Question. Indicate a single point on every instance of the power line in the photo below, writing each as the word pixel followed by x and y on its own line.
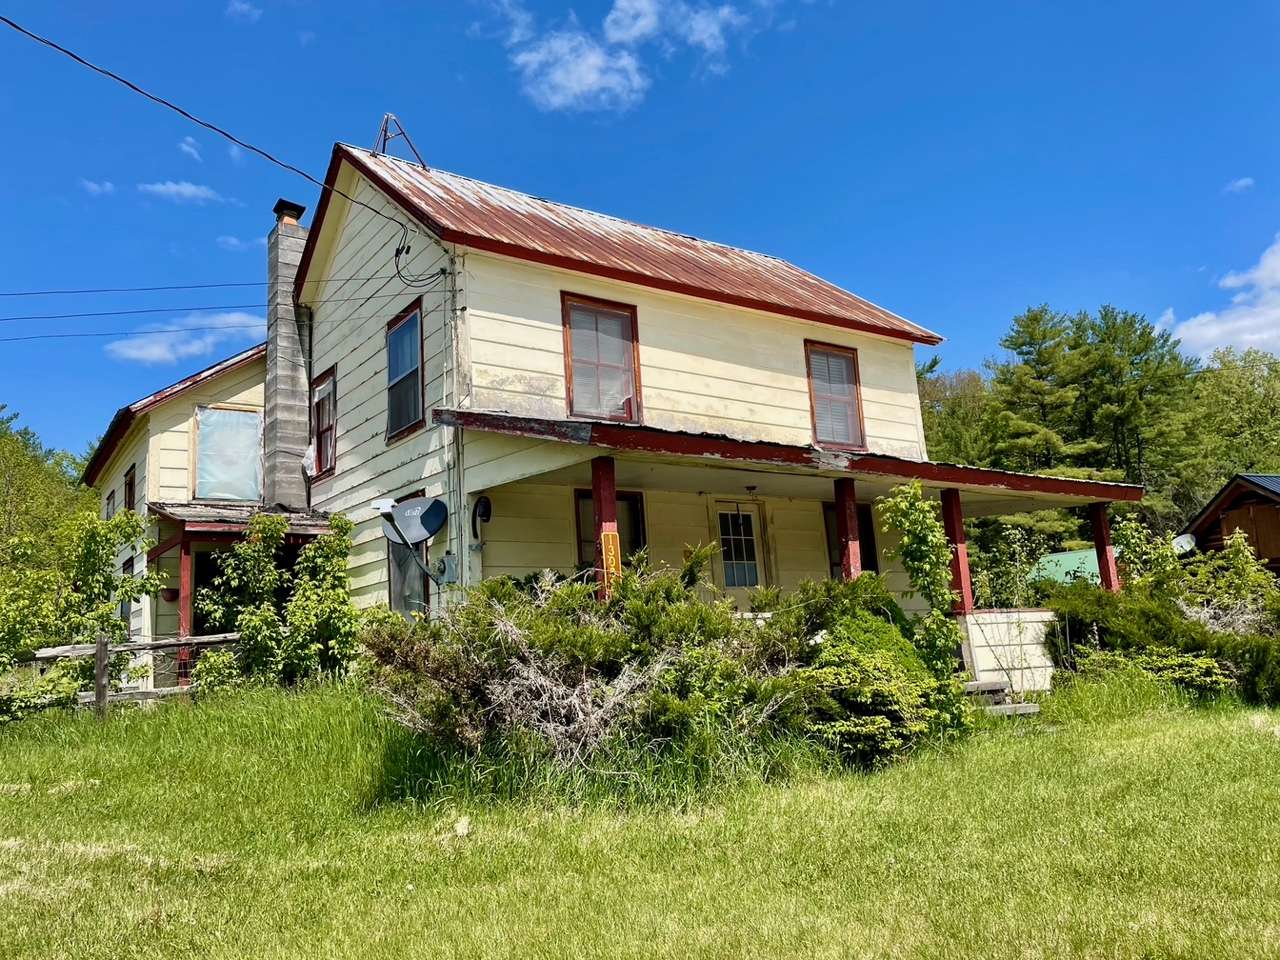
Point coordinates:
pixel 226 134
pixel 175 286
pixel 197 309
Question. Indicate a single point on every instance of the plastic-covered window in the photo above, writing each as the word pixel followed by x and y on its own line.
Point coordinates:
pixel 228 454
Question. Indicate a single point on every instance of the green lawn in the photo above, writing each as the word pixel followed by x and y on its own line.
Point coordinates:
pixel 246 828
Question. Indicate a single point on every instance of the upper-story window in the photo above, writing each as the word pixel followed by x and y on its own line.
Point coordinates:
pixel 601 359
pixel 109 505
pixel 404 373
pixel 131 488
pixel 228 454
pixel 323 421
pixel 834 394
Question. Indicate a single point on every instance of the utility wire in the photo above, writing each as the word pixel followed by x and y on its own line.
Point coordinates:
pixel 176 286
pixel 226 134
pixel 198 309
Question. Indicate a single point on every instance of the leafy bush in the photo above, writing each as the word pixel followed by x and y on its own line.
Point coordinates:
pixel 871 696
pixel 925 554
pixel 217 671
pixel 523 673
pixel 1199 676
pixel 293 623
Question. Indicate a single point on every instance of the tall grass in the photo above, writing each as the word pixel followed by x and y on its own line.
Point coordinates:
pixel 1127 823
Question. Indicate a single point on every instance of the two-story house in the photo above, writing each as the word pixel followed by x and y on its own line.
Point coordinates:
pixel 576 387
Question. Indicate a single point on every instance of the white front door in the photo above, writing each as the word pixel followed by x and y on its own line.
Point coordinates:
pixel 741 557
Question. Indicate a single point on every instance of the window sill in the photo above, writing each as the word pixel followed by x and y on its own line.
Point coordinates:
pixel 841 447
pixel 324 474
pixel 405 432
pixel 593 418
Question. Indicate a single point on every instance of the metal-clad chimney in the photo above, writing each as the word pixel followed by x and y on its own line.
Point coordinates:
pixel 287 427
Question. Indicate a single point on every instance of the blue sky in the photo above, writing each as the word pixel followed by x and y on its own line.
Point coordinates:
pixel 953 162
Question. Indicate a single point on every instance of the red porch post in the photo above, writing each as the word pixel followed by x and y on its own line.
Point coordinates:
pixel 186 587
pixel 1107 572
pixel 604 497
pixel 953 521
pixel 847 529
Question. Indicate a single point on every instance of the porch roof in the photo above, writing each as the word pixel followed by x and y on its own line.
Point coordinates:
pixel 1002 491
pixel 232 517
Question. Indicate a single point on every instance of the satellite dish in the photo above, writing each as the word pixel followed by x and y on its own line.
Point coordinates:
pixel 1184 544
pixel 419 519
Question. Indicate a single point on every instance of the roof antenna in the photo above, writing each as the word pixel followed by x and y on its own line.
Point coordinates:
pixel 391 129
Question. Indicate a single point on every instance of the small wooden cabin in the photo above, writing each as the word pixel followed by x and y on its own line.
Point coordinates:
pixel 1249 502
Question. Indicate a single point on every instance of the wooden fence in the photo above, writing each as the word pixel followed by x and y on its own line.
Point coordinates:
pixel 102 651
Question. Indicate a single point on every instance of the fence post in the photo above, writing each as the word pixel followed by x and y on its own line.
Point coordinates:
pixel 101 665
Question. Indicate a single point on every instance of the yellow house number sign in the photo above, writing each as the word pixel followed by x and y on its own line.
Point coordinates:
pixel 610 554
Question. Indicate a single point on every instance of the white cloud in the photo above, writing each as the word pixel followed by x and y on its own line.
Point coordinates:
pixel 97 188
pixel 236 153
pixel 236 245
pixel 630 21
pixel 1240 185
pixel 195 335
pixel 244 11
pixel 191 148
pixel 571 67
pixel 181 192
pixel 570 70
pixel 1251 319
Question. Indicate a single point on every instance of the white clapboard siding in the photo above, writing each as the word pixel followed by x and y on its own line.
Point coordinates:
pixel 704 367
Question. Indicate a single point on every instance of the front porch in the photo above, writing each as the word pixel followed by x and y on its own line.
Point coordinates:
pixel 570 495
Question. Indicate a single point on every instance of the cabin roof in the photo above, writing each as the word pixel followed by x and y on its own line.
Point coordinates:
pixel 127 415
pixel 1267 484
pixel 480 215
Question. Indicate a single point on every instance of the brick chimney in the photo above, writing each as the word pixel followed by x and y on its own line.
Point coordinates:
pixel 287 428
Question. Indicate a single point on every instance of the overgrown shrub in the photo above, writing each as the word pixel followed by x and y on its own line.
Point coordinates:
pixel 544 671
pixel 1198 675
pixel 293 623
pixel 871 696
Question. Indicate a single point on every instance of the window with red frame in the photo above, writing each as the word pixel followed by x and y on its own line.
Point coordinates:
pixel 324 411
pixel 600 359
pixel 833 391
pixel 131 488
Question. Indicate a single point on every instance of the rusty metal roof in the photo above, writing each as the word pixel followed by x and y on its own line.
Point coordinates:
pixel 484 216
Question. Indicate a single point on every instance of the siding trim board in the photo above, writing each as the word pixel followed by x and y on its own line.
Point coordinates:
pixel 651 440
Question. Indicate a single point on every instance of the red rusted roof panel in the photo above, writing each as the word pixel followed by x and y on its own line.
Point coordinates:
pixel 507 221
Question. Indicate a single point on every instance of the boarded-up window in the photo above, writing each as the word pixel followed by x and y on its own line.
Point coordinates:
pixel 866 540
pixel 630 525
pixel 833 390
pixel 228 454
pixel 600 344
pixel 323 418
pixel 404 375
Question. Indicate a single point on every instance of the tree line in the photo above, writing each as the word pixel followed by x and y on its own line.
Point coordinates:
pixel 1108 395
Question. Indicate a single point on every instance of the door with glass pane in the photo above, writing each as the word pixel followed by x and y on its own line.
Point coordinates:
pixel 741 539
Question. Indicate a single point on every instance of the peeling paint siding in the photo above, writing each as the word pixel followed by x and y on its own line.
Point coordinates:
pixel 173 428
pixel 350 315
pixel 704 367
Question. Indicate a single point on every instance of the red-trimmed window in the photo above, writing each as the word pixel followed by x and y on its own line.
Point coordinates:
pixel 600 351
pixel 404 373
pixel 324 415
pixel 834 395
pixel 131 488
